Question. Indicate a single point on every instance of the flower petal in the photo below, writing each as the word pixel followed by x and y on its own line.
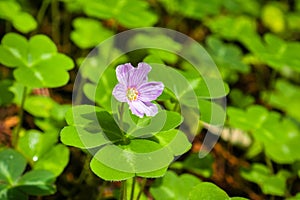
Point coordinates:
pixel 122 73
pixel 119 92
pixel 140 108
pixel 139 74
pixel 150 91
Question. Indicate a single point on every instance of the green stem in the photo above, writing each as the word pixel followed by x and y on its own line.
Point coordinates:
pixel 79 91
pixel 55 21
pixel 269 163
pixel 42 11
pixel 21 116
pixel 132 188
pixel 141 189
pixel 123 192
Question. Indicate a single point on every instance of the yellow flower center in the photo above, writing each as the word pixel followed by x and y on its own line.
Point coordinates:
pixel 132 94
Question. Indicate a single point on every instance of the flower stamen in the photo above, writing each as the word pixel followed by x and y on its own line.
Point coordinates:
pixel 132 94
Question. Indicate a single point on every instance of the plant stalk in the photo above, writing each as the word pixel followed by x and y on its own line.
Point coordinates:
pixel 123 192
pixel 55 15
pixel 132 188
pixel 141 189
pixel 21 116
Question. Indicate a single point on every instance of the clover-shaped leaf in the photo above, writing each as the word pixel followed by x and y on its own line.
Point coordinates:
pixel 14 185
pixel 192 8
pixel 122 154
pixel 40 149
pixel 172 186
pixel 196 165
pixel 276 52
pixel 125 12
pixel 22 21
pixel 37 62
pixel 269 183
pixel 206 190
pixel 164 42
pixel 242 28
pixel 88 32
pixel 227 57
pixel 266 128
pixel 285 97
pixel 12 165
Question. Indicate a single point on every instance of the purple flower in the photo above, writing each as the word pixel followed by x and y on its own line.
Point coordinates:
pixel 134 88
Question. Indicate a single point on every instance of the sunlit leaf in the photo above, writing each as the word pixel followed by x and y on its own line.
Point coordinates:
pixel 172 186
pixel 285 97
pixel 125 12
pixel 22 21
pixel 266 127
pixel 206 190
pixel 273 18
pixel 41 149
pixel 270 184
pixel 35 60
pixel 88 32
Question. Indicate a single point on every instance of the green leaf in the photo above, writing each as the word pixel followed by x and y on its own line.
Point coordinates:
pixel 22 21
pixel 239 99
pixel 199 166
pixel 270 184
pixel 14 194
pixel 139 156
pixel 207 190
pixel 34 144
pixel 192 8
pixel 203 88
pixel 125 12
pixel 41 149
pixel 211 112
pixel 90 127
pixel 111 174
pixel 88 32
pixel 84 131
pixel 60 154
pixel 89 66
pixel 164 41
pixel 34 105
pixel 243 7
pixel 242 28
pixel 35 60
pixel 175 140
pixel 37 182
pixel 266 128
pixel 276 52
pixel 163 121
pixel 107 173
pixel 104 89
pixel 285 97
pixel 273 18
pixel 12 165
pixel 172 186
pixel 228 57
